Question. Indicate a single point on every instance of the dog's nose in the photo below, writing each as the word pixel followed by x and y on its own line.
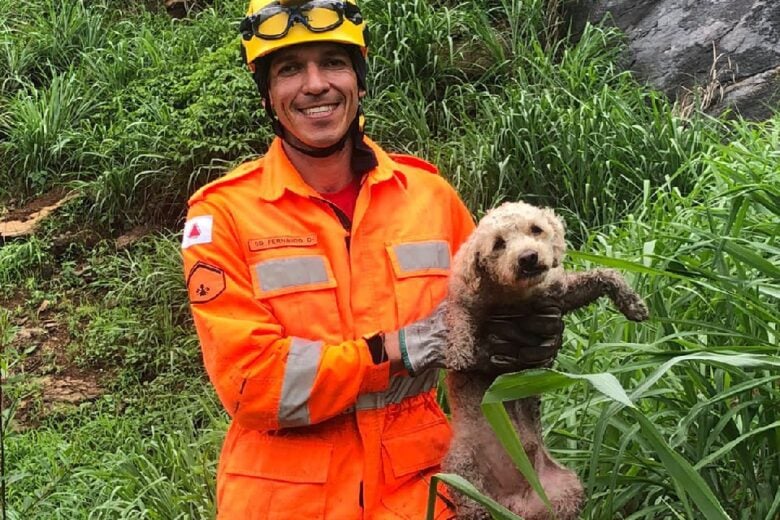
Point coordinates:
pixel 527 260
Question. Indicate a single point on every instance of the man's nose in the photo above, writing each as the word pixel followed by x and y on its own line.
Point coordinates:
pixel 315 81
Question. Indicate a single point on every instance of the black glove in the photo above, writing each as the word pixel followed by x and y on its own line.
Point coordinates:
pixel 520 336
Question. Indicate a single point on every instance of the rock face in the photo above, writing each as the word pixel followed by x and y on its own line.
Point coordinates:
pixel 674 43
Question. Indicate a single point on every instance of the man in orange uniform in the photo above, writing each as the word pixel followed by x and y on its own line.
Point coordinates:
pixel 315 275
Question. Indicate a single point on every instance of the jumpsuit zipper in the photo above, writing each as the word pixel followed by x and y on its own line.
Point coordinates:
pixel 344 220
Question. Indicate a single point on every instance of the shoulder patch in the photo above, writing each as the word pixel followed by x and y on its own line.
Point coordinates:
pixel 197 230
pixel 235 174
pixel 414 162
pixel 205 282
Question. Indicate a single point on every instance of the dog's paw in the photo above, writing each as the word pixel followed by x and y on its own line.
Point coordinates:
pixel 634 308
pixel 471 511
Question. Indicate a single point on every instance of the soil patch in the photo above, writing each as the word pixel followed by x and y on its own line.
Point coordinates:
pixel 60 389
pixel 23 221
pixel 22 214
pixel 131 237
pixel 46 380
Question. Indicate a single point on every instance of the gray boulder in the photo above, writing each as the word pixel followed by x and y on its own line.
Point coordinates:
pixel 677 45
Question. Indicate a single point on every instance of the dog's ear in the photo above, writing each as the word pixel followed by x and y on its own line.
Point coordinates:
pixel 478 272
pixel 559 235
pixel 468 265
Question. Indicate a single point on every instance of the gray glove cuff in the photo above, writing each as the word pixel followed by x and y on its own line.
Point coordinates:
pixel 423 342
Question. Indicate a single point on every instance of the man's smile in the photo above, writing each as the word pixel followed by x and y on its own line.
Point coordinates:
pixel 319 110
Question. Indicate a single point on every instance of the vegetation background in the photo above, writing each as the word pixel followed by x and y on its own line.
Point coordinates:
pixel 132 111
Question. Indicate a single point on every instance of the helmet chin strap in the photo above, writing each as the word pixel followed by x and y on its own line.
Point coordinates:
pixel 363 158
pixel 355 131
pixel 317 152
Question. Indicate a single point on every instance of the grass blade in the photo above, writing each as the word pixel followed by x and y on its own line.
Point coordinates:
pixel 459 483
pixel 684 475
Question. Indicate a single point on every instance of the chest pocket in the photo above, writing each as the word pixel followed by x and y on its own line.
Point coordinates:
pixel 421 270
pixel 301 291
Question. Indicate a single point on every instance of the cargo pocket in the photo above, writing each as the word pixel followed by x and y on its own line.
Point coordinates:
pixel 410 458
pixel 276 479
pixel 301 291
pixel 421 269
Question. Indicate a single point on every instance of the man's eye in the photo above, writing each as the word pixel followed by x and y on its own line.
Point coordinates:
pixel 336 63
pixel 287 69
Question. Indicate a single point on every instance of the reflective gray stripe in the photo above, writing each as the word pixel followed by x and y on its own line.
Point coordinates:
pixel 281 273
pixel 400 388
pixel 299 373
pixel 414 256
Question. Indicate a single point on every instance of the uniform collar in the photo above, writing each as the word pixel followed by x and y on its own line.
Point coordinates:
pixel 385 169
pixel 279 174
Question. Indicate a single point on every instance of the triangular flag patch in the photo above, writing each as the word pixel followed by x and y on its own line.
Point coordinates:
pixel 197 230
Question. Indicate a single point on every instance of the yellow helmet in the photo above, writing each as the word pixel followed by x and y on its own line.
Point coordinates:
pixel 274 24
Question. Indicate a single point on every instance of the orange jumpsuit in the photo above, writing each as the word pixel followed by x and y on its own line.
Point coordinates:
pixel 283 295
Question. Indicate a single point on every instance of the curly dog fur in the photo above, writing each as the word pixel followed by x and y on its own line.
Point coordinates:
pixel 514 255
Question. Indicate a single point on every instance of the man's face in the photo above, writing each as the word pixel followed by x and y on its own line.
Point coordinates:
pixel 313 90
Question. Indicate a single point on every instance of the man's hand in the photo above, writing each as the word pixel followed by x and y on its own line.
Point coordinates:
pixel 511 338
pixel 414 348
pixel 521 336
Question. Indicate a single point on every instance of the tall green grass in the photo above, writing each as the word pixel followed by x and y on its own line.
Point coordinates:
pixel 129 457
pixel 42 133
pixel 136 111
pixel 506 113
pixel 147 447
pixel 701 439
pixel 19 262
pixel 707 264
pixel 480 89
pixel 133 314
pixel 37 44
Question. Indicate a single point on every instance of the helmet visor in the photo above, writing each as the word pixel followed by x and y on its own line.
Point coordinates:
pixel 274 21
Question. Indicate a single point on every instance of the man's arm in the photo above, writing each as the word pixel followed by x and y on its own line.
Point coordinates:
pixel 265 379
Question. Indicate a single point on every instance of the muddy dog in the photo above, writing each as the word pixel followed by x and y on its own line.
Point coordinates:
pixel 514 255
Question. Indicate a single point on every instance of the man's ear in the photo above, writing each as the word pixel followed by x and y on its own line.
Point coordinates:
pixel 268 104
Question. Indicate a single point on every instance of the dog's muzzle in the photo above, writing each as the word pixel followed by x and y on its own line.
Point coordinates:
pixel 528 265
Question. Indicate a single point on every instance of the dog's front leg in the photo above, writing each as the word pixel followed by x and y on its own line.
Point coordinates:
pixel 582 288
pixel 462 350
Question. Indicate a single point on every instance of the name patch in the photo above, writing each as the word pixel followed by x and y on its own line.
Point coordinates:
pixel 259 244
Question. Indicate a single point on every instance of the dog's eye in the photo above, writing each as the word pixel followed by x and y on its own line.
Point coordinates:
pixel 536 230
pixel 499 244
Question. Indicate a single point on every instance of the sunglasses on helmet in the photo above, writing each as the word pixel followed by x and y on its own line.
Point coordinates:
pixel 273 21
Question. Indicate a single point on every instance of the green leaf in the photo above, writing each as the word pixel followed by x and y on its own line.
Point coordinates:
pixel 623 265
pixel 775 507
pixel 730 445
pixel 733 360
pixel 533 382
pixel 685 476
pixel 459 483
pixel 509 387
pixel 497 417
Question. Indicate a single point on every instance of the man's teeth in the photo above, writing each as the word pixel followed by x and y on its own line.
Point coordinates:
pixel 318 110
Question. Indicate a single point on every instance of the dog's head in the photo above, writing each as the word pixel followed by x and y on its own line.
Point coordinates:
pixel 514 245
